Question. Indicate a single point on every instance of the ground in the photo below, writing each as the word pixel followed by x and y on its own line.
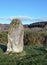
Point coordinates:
pixel 32 55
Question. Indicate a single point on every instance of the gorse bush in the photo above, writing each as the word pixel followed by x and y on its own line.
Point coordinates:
pixel 34 38
pixel 30 38
pixel 4 37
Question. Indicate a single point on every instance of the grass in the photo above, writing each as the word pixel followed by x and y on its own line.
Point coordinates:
pixel 32 55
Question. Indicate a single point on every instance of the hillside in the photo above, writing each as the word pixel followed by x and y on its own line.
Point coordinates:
pixel 35 46
pixel 4 27
pixel 32 35
pixel 38 24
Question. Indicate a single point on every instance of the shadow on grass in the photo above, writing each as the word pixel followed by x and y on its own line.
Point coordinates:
pixel 3 47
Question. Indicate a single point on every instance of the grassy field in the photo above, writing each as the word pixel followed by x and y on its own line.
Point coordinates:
pixel 32 55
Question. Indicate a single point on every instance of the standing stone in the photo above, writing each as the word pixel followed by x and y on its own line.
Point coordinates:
pixel 15 36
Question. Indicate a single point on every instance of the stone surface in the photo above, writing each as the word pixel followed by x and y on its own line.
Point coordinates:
pixel 15 36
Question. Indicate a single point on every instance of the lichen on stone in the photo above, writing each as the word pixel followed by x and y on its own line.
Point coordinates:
pixel 14 24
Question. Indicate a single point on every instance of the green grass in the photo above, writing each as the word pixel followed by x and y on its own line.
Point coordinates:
pixel 31 55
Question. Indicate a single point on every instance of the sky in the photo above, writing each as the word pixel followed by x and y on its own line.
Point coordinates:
pixel 31 8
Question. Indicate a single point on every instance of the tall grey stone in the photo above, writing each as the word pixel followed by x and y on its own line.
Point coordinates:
pixel 15 36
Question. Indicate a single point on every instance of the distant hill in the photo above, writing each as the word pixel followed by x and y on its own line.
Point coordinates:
pixel 4 27
pixel 38 24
